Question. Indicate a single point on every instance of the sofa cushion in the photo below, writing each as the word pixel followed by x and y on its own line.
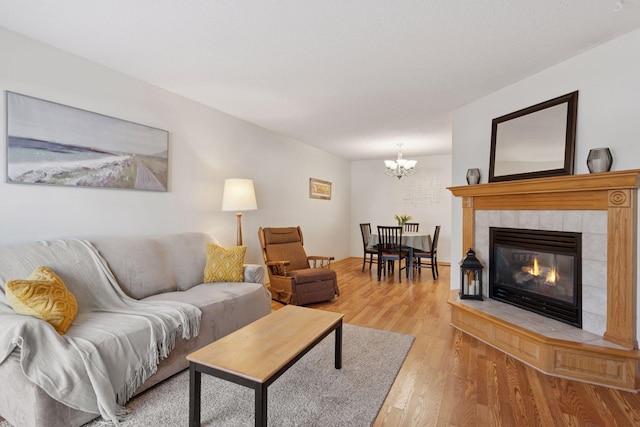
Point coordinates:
pixel 285 244
pixel 310 275
pixel 226 307
pixel 141 265
pixel 43 295
pixel 279 235
pixel 224 265
pixel 292 252
pixel 187 254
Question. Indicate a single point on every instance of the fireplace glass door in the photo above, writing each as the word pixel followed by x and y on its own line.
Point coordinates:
pixel 538 271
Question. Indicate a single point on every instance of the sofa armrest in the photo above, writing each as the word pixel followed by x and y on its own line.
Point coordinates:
pixel 254 273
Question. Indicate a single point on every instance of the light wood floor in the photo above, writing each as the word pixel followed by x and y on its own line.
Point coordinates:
pixel 451 379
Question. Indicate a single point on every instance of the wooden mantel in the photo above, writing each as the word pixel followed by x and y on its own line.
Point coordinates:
pixel 562 184
pixel 615 192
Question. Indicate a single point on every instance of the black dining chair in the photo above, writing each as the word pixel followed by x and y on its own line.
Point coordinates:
pixel 411 226
pixel 390 250
pixel 365 230
pixel 429 258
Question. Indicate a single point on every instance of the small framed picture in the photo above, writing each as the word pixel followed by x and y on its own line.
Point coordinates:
pixel 319 189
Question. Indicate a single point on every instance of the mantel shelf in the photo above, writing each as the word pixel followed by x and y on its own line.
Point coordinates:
pixel 558 184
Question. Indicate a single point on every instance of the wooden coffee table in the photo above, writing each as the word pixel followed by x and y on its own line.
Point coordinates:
pixel 256 355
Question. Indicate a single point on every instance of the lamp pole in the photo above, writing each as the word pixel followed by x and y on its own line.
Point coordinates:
pixel 238 195
pixel 239 228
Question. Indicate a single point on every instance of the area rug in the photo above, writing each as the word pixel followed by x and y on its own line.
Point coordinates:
pixel 310 393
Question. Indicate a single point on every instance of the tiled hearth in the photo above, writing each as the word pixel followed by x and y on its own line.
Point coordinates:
pixel 603 207
pixel 538 324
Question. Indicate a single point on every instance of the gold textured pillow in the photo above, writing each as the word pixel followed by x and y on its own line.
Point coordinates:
pixel 43 295
pixel 224 265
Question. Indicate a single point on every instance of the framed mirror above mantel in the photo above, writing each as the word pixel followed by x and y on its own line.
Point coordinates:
pixel 535 142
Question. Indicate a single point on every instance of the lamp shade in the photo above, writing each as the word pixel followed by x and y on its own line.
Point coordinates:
pixel 239 195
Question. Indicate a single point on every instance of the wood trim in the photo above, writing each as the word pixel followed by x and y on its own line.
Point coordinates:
pixel 468 224
pixel 591 200
pixel 575 192
pixel 606 366
pixel 559 184
pixel 615 192
pixel 621 268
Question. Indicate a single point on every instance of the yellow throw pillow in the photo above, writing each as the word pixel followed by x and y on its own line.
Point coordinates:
pixel 224 265
pixel 43 295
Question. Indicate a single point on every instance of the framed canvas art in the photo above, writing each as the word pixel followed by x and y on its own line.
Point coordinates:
pixel 51 143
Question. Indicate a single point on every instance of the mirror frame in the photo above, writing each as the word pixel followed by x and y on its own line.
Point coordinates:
pixel 571 99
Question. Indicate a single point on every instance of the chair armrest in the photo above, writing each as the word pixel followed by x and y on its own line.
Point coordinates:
pixel 324 261
pixel 278 268
pixel 253 273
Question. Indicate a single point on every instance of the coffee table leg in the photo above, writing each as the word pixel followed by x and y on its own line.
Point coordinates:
pixel 339 346
pixel 261 405
pixel 195 384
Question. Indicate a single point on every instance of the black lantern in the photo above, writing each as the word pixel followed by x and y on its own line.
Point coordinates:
pixel 471 277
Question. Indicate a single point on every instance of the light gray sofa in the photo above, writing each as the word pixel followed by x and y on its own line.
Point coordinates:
pixel 162 268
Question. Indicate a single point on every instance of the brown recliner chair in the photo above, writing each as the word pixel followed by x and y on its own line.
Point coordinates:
pixel 295 277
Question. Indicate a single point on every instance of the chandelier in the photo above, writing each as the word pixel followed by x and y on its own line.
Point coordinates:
pixel 400 167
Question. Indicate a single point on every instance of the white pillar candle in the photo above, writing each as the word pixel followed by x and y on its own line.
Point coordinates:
pixel 473 290
pixel 599 164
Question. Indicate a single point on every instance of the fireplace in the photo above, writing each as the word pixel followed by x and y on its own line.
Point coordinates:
pixel 537 270
pixel 604 208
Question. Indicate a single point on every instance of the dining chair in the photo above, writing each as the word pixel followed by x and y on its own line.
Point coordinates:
pixel 411 226
pixel 365 230
pixel 430 257
pixel 390 250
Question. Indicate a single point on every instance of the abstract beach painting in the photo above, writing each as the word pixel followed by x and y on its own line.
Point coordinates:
pixel 50 143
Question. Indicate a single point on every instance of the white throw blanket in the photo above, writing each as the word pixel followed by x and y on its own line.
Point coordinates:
pixel 113 345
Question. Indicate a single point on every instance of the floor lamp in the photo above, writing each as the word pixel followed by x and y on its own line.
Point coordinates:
pixel 239 195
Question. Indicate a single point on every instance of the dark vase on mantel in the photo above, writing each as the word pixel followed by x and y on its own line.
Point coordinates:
pixel 599 160
pixel 473 176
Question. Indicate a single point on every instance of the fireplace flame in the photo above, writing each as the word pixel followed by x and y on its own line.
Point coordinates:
pixel 552 277
pixel 536 269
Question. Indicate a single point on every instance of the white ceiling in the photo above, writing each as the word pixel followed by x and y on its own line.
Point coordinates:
pixel 353 77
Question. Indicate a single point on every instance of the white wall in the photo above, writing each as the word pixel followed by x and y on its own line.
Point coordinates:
pixel 608 114
pixel 376 198
pixel 206 146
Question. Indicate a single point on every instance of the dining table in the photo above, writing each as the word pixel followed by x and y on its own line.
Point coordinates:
pixel 412 240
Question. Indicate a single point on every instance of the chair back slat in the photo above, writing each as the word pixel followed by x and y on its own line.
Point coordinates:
pixel 389 238
pixel 434 241
pixel 365 230
pixel 411 227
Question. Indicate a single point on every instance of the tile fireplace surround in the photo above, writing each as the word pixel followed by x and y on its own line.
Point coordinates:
pixel 604 208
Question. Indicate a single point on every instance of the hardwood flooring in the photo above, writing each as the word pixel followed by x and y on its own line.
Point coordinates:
pixel 452 379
